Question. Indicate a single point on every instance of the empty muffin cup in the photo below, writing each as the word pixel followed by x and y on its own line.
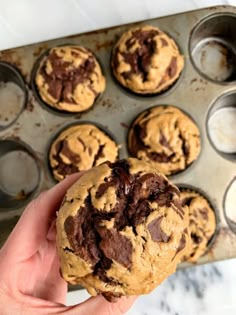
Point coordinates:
pixel 13 95
pixel 221 125
pixel 213 47
pixel 229 205
pixel 19 174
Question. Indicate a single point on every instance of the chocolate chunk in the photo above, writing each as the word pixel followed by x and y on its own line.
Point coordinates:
pixel 164 42
pixel 182 244
pixel 100 270
pixel 145 177
pixel 121 169
pixel 111 296
pixel 163 141
pixel 172 69
pixel 65 150
pixel 99 154
pixel 204 213
pixel 130 43
pixel 140 59
pixel 116 247
pixel 185 148
pixel 65 169
pixel 186 201
pixel 62 167
pixel 196 238
pixel 54 89
pixel 178 208
pixel 103 188
pixel 83 144
pixel 160 157
pixel 157 234
pixel 83 237
pixel 132 60
pixel 139 211
pixel 69 227
pixel 137 139
pixel 145 36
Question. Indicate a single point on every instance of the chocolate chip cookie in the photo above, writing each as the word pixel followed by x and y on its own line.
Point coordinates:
pixel 146 60
pixel 165 136
pixel 80 147
pixel 121 229
pixel 202 223
pixel 69 78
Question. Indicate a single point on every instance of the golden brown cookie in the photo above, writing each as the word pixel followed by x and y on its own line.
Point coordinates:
pixel 69 78
pixel 121 229
pixel 202 222
pixel 165 136
pixel 80 147
pixel 146 60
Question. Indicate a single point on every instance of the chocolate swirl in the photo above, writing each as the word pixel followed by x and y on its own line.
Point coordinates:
pixel 146 60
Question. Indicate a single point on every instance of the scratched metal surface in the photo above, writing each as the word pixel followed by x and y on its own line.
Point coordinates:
pixel 115 110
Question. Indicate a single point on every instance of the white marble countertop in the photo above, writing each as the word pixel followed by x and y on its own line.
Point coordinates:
pixel 204 290
pixel 201 290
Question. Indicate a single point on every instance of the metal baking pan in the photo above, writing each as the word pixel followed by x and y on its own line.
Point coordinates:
pixel 208 82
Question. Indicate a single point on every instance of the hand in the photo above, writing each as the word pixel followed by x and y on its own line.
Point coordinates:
pixel 30 282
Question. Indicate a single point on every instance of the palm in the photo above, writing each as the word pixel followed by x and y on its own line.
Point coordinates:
pixel 39 275
pixel 30 263
pixel 30 281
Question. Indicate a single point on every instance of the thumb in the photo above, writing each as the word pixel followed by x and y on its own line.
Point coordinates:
pixel 99 306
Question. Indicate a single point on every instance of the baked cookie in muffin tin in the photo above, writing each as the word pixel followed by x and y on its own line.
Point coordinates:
pixel 166 137
pixel 69 78
pixel 78 148
pixel 202 223
pixel 146 60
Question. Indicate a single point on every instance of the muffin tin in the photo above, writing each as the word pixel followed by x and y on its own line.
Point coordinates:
pixel 208 83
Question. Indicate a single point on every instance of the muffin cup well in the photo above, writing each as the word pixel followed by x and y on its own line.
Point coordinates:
pixel 19 174
pixel 221 125
pixel 213 48
pixel 229 205
pixel 13 95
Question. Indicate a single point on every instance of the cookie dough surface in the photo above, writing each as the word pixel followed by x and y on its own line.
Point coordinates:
pixel 202 222
pixel 69 78
pixel 165 136
pixel 146 60
pixel 78 148
pixel 121 229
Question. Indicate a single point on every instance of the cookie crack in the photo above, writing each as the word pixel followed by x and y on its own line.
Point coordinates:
pixel 67 249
